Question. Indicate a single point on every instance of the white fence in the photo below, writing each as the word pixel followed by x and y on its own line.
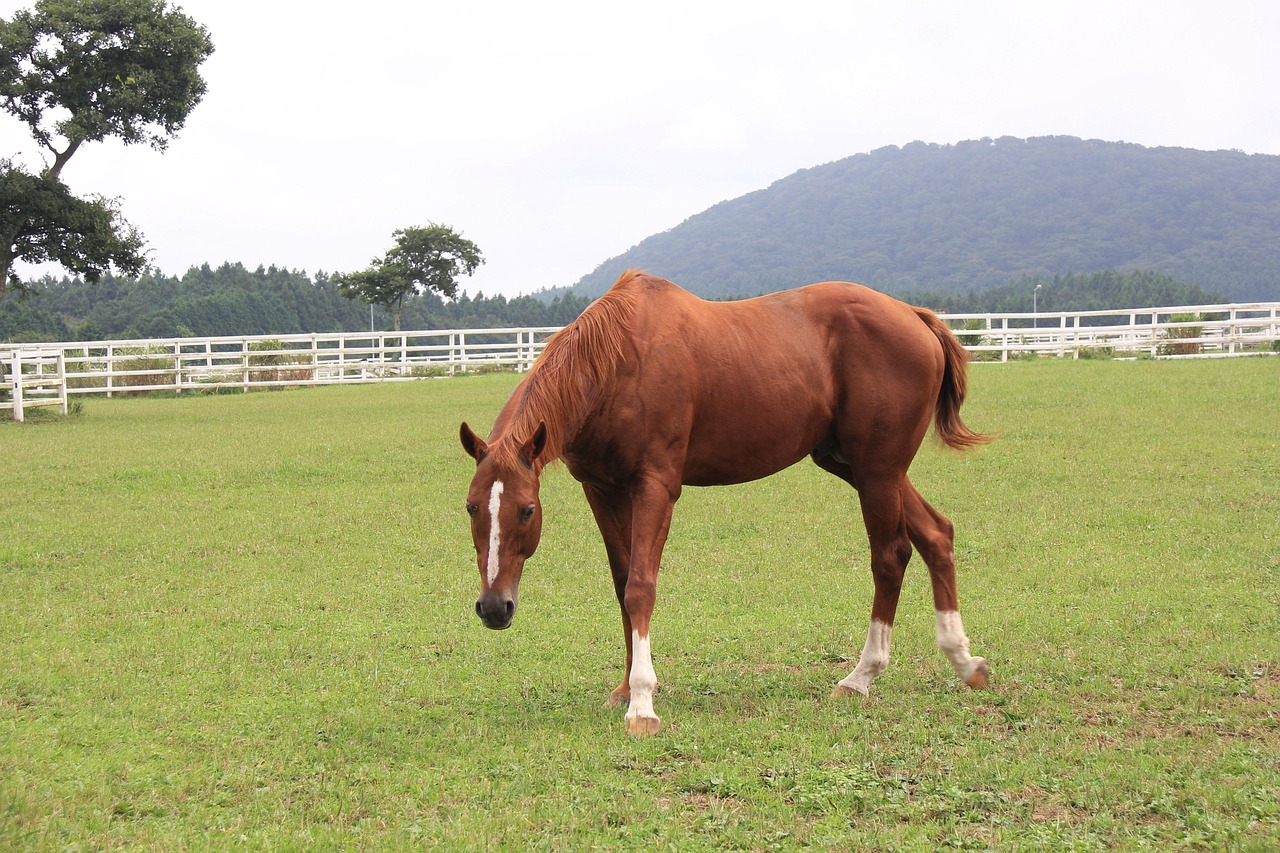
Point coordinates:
pixel 47 373
pixel 189 364
pixel 32 377
pixel 1183 331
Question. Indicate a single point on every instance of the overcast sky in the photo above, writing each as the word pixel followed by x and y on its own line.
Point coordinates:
pixel 558 134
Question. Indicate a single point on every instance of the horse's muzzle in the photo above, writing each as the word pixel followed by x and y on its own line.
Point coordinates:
pixel 496 611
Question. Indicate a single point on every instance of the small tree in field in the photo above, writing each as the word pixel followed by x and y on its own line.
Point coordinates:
pixel 430 257
pixel 77 71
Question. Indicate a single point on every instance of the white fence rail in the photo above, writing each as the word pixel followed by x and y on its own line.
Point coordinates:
pixel 1183 331
pixel 47 373
pixel 188 364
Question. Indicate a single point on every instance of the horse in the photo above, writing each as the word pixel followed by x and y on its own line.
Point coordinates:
pixel 653 389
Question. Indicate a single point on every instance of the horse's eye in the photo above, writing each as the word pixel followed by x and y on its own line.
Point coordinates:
pixel 472 509
pixel 526 513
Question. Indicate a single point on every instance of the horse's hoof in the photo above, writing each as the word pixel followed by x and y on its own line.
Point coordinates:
pixel 843 690
pixel 617 699
pixel 980 676
pixel 642 726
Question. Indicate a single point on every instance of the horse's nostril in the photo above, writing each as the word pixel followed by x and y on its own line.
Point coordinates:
pixel 496 611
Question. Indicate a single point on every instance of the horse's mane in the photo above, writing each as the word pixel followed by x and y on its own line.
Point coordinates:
pixel 576 361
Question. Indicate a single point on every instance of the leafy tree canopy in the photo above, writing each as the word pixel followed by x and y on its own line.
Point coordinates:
pixel 76 71
pixel 47 223
pixel 426 258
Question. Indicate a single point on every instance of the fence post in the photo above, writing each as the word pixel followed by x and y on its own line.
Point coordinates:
pixel 111 367
pixel 15 374
pixel 17 386
pixel 244 361
pixel 4 374
pixel 177 366
pixel 62 380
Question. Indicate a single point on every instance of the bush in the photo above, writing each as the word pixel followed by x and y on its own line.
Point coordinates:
pixel 157 361
pixel 275 365
pixel 1182 340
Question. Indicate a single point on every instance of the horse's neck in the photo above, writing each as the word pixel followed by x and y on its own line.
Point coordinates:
pixel 519 419
pixel 577 362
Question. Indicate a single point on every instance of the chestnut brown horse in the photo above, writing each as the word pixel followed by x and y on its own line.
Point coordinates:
pixel 653 389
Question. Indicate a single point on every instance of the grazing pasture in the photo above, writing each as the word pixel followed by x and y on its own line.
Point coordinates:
pixel 246 621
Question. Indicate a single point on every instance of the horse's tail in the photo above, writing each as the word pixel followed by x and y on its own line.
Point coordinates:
pixel 947 424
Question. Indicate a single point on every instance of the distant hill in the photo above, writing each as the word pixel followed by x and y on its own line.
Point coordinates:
pixel 960 218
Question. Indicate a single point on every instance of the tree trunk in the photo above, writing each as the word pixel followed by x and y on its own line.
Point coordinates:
pixel 7 257
pixel 395 311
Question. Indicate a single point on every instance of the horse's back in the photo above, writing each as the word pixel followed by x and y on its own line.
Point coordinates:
pixel 824 340
pixel 751 387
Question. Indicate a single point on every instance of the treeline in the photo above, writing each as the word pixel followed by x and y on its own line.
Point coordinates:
pixel 231 300
pixel 1099 291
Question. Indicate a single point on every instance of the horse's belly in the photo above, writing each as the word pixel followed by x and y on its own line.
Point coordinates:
pixel 703 473
pixel 751 442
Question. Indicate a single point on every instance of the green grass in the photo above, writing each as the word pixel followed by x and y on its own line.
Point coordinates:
pixel 246 621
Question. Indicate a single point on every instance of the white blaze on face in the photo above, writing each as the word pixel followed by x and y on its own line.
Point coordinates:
pixel 495 529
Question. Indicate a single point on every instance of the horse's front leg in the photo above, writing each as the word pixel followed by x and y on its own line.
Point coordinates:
pixel 612 511
pixel 652 503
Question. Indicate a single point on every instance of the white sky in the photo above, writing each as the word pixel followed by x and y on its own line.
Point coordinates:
pixel 558 134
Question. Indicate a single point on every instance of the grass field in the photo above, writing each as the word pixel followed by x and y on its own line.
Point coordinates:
pixel 245 621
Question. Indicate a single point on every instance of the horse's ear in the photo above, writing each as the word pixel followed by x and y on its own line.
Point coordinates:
pixel 532 449
pixel 471 442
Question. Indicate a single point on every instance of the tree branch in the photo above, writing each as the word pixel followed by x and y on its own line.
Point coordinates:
pixel 61 157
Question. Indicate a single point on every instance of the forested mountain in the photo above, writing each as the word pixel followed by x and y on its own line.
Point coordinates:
pixel 950 219
pixel 231 300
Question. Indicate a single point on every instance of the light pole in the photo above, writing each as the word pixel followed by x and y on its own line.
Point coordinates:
pixel 1035 306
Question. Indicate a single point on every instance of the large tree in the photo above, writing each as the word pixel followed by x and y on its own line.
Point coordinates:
pixel 77 71
pixel 429 257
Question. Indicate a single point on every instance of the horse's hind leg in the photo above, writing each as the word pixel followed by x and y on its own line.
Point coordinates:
pixel 882 512
pixel 933 536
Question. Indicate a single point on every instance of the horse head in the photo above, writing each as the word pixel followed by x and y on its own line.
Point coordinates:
pixel 506 517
